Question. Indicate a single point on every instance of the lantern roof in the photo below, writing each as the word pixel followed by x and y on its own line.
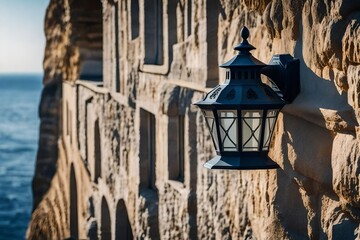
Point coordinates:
pixel 244 57
pixel 249 95
pixel 242 88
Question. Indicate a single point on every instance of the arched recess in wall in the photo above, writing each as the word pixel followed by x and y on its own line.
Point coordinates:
pixel 123 230
pixel 105 220
pixel 74 222
pixel 97 149
pixel 87 37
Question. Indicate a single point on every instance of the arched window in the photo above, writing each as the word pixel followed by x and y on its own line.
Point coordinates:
pixel 97 149
pixel 134 18
pixel 116 45
pixel 105 220
pixel 74 228
pixel 123 229
pixel 188 18
pixel 67 118
pixel 176 148
pixel 147 149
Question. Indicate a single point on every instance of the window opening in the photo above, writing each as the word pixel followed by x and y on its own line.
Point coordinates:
pixel 153 32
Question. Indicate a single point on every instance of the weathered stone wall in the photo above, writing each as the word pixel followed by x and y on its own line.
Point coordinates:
pixel 105 126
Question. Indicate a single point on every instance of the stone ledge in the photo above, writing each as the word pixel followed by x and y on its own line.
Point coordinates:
pixel 93 86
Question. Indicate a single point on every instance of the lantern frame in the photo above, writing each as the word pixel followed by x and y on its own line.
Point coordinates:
pixel 243 92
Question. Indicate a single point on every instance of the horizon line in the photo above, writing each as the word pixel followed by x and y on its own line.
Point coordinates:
pixel 25 72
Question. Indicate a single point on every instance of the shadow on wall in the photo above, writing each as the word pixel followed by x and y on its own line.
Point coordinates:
pixel 306 131
pixel 319 98
pixel 289 206
pixel 47 153
pixel 303 146
pixel 305 177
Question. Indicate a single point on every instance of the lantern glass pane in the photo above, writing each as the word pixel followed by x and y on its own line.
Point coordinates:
pixel 269 127
pixel 210 122
pixel 251 129
pixel 228 129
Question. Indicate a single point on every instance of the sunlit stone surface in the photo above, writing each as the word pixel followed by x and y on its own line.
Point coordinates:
pixel 118 170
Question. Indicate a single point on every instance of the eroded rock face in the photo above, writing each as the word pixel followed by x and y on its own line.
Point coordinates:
pixel 66 50
pixel 56 31
pixel 315 194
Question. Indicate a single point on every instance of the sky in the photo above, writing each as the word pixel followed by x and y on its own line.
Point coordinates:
pixel 22 38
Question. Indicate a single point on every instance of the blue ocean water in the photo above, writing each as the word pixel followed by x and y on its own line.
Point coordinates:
pixel 19 131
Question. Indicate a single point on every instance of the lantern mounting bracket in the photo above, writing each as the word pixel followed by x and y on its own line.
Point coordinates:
pixel 284 72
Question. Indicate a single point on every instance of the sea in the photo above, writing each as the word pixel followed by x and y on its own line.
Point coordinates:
pixel 19 133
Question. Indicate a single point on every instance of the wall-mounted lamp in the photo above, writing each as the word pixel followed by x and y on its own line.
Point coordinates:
pixel 241 113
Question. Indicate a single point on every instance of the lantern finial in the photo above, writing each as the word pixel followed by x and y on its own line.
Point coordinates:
pixel 244 46
pixel 244 33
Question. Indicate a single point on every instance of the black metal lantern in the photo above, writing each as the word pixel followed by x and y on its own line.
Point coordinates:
pixel 241 113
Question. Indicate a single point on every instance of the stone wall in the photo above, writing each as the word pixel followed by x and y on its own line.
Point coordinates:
pixel 131 146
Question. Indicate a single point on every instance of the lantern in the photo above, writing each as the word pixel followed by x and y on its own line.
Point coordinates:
pixel 241 112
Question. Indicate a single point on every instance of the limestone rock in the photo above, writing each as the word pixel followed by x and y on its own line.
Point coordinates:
pixel 346 166
pixel 114 136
